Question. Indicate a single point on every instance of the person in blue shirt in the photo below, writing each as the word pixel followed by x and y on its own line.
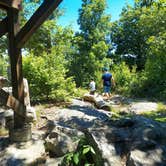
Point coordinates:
pixel 108 81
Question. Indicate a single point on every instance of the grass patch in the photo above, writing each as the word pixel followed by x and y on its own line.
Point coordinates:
pixel 117 114
pixel 159 115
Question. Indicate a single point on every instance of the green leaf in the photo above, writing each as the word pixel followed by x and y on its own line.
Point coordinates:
pixel 86 150
pixel 76 158
pixel 92 150
pixel 69 156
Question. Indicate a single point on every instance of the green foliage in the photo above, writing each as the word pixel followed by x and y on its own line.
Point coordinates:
pixel 136 24
pixel 143 3
pixel 3 45
pixel 90 42
pixel 123 77
pixel 79 92
pixel 156 66
pixel 83 156
pixel 47 77
pixel 3 66
pixel 42 40
pixel 141 31
pixel 153 78
pixel 126 34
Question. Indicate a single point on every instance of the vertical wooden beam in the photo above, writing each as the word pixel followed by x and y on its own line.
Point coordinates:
pixel 16 63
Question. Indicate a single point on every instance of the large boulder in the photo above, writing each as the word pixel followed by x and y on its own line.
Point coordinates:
pixel 61 140
pixel 131 141
pixel 148 157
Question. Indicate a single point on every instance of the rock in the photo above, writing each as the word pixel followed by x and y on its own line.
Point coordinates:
pixel 146 129
pixel 62 140
pixel 9 118
pixel 3 81
pixel 98 101
pixel 30 114
pixel 125 122
pixel 80 115
pixel 129 141
pixel 53 161
pixel 148 158
pixel 2 119
pixel 142 107
pixel 107 144
pixel 24 153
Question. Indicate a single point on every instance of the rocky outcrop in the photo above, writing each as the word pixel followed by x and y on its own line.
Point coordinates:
pixel 132 142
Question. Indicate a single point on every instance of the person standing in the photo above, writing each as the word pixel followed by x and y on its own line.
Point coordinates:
pixel 92 87
pixel 108 81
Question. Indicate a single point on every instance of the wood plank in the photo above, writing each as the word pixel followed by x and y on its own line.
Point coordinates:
pixel 42 13
pixel 16 4
pixel 12 102
pixel 3 26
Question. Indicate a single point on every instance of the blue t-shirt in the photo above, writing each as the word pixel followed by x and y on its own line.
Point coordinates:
pixel 106 77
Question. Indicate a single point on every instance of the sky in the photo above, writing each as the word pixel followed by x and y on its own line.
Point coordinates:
pixel 71 11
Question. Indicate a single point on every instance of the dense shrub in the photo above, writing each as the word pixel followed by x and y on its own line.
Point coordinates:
pixel 123 77
pixel 47 77
pixel 155 67
pixel 152 81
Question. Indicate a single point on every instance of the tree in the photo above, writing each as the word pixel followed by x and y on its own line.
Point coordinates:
pixel 143 3
pixel 156 58
pixel 130 33
pixel 90 41
pixel 44 33
pixel 126 34
pixel 47 73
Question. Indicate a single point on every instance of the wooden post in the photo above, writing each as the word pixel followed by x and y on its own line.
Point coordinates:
pixel 21 130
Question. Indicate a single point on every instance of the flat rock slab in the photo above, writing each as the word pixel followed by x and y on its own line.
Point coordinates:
pixel 24 154
pixel 80 114
pixel 142 107
pixel 131 141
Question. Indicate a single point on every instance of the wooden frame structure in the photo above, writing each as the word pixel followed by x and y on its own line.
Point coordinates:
pixel 17 38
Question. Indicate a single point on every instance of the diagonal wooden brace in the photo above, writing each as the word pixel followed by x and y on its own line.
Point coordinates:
pixel 42 13
pixel 14 104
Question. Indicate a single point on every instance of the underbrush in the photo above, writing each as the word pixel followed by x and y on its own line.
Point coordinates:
pixel 83 156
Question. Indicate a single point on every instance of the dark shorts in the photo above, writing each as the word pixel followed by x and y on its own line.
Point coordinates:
pixel 107 89
pixel 92 92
